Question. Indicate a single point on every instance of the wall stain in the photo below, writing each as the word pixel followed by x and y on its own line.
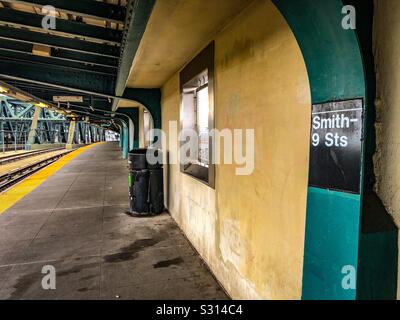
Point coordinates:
pixel 242 49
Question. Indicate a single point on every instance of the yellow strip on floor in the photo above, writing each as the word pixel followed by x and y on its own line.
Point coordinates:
pixel 20 190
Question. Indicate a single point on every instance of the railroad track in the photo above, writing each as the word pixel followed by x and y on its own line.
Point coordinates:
pixel 9 179
pixel 17 157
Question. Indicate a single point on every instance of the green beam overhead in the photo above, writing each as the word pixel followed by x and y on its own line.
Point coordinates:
pixel 53 78
pixel 84 8
pixel 61 54
pixel 84 57
pixel 81 81
pixel 88 102
pixel 19 18
pixel 15 89
pixel 59 42
pixel 26 57
pixel 49 90
pixel 29 119
pixel 138 14
pixel 84 111
pixel 97 115
pixel 76 80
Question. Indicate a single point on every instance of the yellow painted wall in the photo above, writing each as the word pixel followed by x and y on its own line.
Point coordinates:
pixel 250 229
pixel 387 60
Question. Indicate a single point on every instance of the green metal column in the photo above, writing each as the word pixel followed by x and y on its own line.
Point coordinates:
pixel 121 133
pixel 125 142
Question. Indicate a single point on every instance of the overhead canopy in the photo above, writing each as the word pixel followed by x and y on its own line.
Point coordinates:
pixel 88 54
pixel 175 32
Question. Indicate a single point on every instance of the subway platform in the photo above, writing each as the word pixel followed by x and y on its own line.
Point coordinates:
pixel 76 221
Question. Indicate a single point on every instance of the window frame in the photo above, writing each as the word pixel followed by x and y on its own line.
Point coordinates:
pixel 203 61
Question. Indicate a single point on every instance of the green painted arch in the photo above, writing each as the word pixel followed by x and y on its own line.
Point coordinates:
pixel 133 114
pixel 124 135
pixel 335 69
pixel 332 54
pixel 150 99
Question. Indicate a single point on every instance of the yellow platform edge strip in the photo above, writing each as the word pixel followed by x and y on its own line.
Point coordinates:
pixel 20 190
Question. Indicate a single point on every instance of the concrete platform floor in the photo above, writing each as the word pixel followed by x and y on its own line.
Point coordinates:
pixel 76 222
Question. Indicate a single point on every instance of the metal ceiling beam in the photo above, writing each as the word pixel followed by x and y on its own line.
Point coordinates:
pixel 76 109
pixel 84 57
pixel 94 107
pixel 27 57
pixel 77 80
pixel 88 101
pixel 63 27
pixel 137 16
pixel 49 89
pixel 83 82
pixel 61 54
pixel 58 42
pixel 27 119
pixel 84 8
pixel 30 97
pixel 47 93
pixel 86 111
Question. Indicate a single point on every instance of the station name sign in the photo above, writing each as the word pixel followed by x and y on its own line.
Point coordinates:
pixel 67 98
pixel 336 145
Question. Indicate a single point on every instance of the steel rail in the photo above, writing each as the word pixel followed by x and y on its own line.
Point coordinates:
pixel 17 157
pixel 9 179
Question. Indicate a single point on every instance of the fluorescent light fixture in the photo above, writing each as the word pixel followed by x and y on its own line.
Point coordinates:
pixel 41 105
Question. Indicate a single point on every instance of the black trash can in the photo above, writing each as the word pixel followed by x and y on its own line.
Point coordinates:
pixel 137 159
pixel 145 184
pixel 138 194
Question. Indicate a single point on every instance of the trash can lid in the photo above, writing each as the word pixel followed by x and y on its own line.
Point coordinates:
pixel 138 151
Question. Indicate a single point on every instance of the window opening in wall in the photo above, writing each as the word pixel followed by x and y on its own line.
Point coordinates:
pixel 197 114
